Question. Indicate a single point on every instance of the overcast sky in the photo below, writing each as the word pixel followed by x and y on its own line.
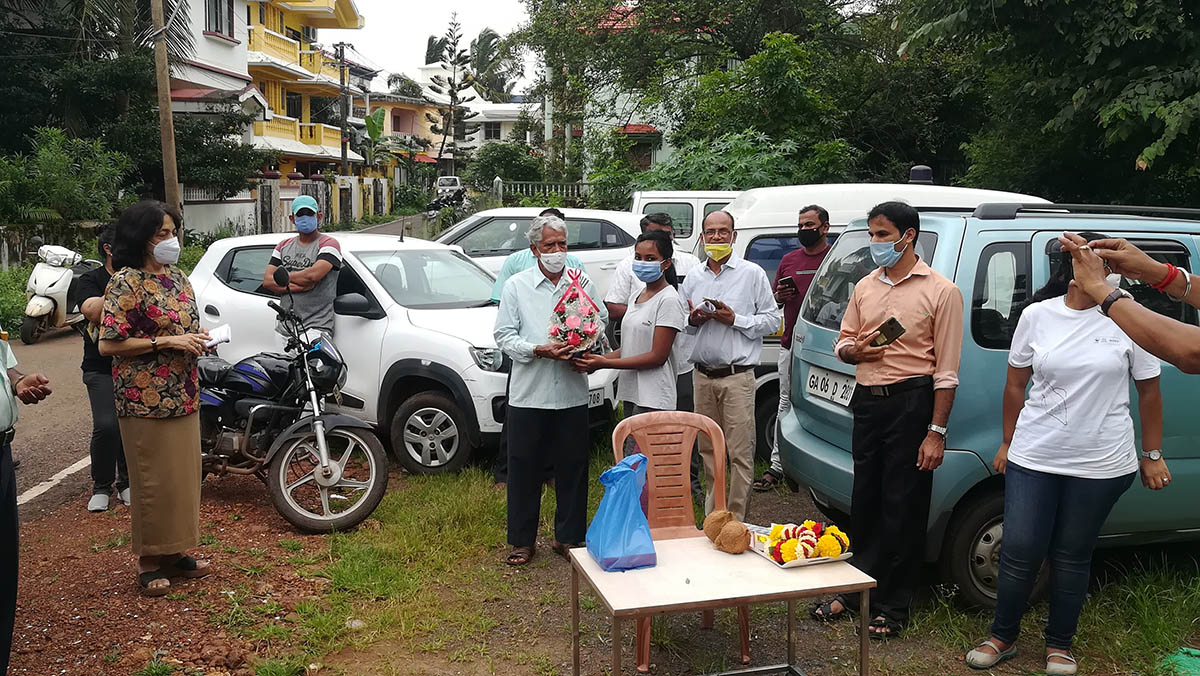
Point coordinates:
pixel 396 30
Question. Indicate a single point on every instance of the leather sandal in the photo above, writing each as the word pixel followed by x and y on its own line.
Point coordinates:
pixel 519 556
pixel 823 612
pixel 186 566
pixel 768 481
pixel 144 580
pixel 1059 668
pixel 977 659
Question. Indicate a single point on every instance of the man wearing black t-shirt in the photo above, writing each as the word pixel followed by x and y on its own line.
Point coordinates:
pixel 109 472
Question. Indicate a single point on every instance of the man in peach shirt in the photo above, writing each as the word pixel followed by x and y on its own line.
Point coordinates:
pixel 901 403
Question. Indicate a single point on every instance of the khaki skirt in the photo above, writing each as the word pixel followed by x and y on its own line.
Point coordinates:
pixel 163 455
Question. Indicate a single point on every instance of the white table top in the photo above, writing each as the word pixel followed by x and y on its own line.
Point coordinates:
pixel 692 575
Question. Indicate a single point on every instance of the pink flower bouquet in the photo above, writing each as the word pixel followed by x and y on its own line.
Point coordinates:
pixel 576 319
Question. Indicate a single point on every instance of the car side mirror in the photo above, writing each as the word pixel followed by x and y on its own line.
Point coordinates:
pixel 281 277
pixel 356 305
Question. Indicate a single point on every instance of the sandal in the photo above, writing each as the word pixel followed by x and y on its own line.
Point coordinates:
pixel 563 549
pixel 977 659
pixel 144 580
pixel 186 566
pixel 823 612
pixel 766 482
pixel 882 628
pixel 519 556
pixel 1059 668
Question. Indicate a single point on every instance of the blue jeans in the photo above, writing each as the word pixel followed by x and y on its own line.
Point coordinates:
pixel 1056 517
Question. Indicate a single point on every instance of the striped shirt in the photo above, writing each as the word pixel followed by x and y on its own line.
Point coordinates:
pixel 315 306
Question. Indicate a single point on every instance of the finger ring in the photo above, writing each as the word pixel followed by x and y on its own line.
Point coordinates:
pixel 1085 247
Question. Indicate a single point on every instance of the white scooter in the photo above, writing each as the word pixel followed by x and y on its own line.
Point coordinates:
pixel 48 292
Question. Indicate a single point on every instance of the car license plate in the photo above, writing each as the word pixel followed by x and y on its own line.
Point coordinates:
pixel 830 385
pixel 595 398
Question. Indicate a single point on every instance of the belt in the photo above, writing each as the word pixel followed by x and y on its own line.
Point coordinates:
pixel 882 391
pixel 723 371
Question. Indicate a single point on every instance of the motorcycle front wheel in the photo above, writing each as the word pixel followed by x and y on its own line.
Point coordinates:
pixel 313 508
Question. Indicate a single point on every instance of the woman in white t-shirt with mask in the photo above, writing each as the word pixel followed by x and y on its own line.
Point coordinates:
pixel 654 317
pixel 1068 455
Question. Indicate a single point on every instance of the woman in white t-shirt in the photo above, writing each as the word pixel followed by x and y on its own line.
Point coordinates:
pixel 1068 455
pixel 654 317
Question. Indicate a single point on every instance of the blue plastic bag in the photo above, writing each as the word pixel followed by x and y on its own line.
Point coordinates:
pixel 619 535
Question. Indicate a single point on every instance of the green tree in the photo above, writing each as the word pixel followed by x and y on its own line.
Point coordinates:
pixel 495 70
pixel 402 85
pixel 509 161
pixel 452 121
pixel 434 48
pixel 62 179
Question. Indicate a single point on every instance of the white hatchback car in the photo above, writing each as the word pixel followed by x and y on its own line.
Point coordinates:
pixel 599 238
pixel 413 320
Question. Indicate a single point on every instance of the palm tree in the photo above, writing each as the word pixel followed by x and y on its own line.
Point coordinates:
pixel 494 68
pixel 102 28
pixel 401 84
pixel 434 48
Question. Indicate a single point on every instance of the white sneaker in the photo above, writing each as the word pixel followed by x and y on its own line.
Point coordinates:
pixel 99 502
pixel 124 495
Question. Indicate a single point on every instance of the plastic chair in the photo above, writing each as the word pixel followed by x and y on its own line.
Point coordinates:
pixel 667 439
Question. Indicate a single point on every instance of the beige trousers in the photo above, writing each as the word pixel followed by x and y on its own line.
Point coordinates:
pixel 164 480
pixel 730 402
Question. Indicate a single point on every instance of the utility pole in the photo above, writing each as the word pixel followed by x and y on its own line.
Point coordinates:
pixel 344 108
pixel 166 124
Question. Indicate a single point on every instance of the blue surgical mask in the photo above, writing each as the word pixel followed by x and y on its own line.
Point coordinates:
pixel 647 271
pixel 306 224
pixel 885 255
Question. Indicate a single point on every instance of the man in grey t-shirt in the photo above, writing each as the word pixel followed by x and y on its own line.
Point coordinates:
pixel 312 259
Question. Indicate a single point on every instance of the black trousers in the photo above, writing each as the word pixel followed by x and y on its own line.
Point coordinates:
pixel 536 438
pixel 108 456
pixel 889 504
pixel 8 562
pixel 684 401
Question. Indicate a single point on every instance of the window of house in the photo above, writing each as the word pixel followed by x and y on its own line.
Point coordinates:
pixel 262 13
pixel 680 213
pixel 1000 293
pixel 292 33
pixel 295 105
pixel 219 16
pixel 491 131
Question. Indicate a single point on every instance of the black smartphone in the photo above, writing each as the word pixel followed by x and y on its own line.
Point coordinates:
pixel 789 283
pixel 889 331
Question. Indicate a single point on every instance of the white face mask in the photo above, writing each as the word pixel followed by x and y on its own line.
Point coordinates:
pixel 554 262
pixel 1114 280
pixel 166 252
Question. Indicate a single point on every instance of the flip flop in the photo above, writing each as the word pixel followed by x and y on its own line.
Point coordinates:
pixel 519 556
pixel 144 580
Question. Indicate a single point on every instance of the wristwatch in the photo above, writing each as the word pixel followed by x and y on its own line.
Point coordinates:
pixel 939 429
pixel 1116 295
pixel 1154 455
pixel 154 343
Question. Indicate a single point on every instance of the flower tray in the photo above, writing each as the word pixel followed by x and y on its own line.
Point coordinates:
pixel 760 548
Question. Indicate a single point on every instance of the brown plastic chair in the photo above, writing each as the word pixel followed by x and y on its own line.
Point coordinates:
pixel 667 439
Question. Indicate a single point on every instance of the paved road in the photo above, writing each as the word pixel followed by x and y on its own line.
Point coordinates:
pixel 53 435
pixel 415 226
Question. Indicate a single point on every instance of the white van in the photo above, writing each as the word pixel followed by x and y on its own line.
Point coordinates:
pixel 765 222
pixel 687 208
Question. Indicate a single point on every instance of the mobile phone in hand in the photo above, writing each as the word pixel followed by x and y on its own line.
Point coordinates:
pixel 789 283
pixel 889 332
pixel 708 306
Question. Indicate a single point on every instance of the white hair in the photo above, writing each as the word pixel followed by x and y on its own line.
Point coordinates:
pixel 542 222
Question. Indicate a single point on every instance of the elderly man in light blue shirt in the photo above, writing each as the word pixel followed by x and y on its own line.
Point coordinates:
pixel 547 417
pixel 732 308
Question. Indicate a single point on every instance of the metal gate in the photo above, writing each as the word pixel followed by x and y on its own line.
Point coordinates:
pixel 268 205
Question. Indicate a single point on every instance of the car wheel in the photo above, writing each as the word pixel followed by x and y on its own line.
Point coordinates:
pixel 766 412
pixel 971 553
pixel 429 434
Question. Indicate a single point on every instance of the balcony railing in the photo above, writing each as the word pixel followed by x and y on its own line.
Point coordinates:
pixel 320 135
pixel 274 44
pixel 316 62
pixel 279 127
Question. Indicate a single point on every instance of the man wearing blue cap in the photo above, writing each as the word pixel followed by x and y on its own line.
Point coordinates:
pixel 312 259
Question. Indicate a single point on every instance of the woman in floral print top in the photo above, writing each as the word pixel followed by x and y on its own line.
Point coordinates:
pixel 151 328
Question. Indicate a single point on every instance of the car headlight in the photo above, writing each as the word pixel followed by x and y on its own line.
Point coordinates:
pixel 488 358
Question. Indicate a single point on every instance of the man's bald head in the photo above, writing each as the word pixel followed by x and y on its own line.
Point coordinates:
pixel 721 217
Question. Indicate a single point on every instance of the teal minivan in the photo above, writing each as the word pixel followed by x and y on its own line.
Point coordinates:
pixel 997 255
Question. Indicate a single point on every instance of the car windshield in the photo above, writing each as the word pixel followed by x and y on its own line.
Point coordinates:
pixel 430 279
pixel 848 261
pixel 447 182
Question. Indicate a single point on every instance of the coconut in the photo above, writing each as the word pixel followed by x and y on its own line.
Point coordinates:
pixel 714 522
pixel 734 538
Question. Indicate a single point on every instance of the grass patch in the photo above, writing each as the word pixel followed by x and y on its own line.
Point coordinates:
pixel 291 545
pixel 281 666
pixel 209 540
pixel 156 667
pixel 112 543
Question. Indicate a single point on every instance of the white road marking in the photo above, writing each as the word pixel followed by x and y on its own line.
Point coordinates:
pixel 53 481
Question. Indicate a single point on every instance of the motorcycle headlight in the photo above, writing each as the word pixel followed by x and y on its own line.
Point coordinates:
pixel 488 358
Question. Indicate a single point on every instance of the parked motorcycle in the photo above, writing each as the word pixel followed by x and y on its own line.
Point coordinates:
pixel 48 292
pixel 265 415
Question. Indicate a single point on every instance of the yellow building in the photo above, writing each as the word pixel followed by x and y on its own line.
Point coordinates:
pixel 291 69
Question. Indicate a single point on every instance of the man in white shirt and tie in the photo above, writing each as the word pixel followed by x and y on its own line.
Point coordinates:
pixel 732 307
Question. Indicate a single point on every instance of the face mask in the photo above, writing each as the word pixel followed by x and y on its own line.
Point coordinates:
pixel 885 255
pixel 166 252
pixel 306 224
pixel 647 271
pixel 554 262
pixel 718 251
pixel 809 237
